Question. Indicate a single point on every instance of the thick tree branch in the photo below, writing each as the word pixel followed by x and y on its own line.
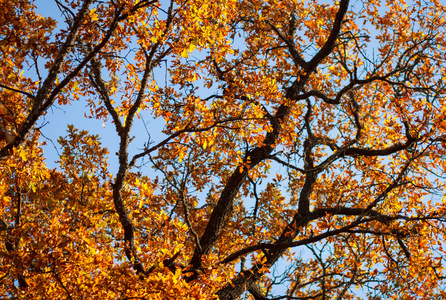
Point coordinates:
pixel 227 196
pixel 286 240
pixel 330 43
pixel 258 154
pixel 44 97
pixel 41 96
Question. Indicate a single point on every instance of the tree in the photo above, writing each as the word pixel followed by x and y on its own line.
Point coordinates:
pixel 302 154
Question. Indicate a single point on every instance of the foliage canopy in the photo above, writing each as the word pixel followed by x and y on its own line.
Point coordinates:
pixel 302 152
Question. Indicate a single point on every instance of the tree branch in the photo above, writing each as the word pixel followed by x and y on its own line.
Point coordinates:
pixel 331 41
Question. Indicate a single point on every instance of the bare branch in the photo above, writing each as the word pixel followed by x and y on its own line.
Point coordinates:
pixel 29 95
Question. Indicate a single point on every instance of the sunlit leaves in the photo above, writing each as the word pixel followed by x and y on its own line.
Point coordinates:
pixel 243 129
